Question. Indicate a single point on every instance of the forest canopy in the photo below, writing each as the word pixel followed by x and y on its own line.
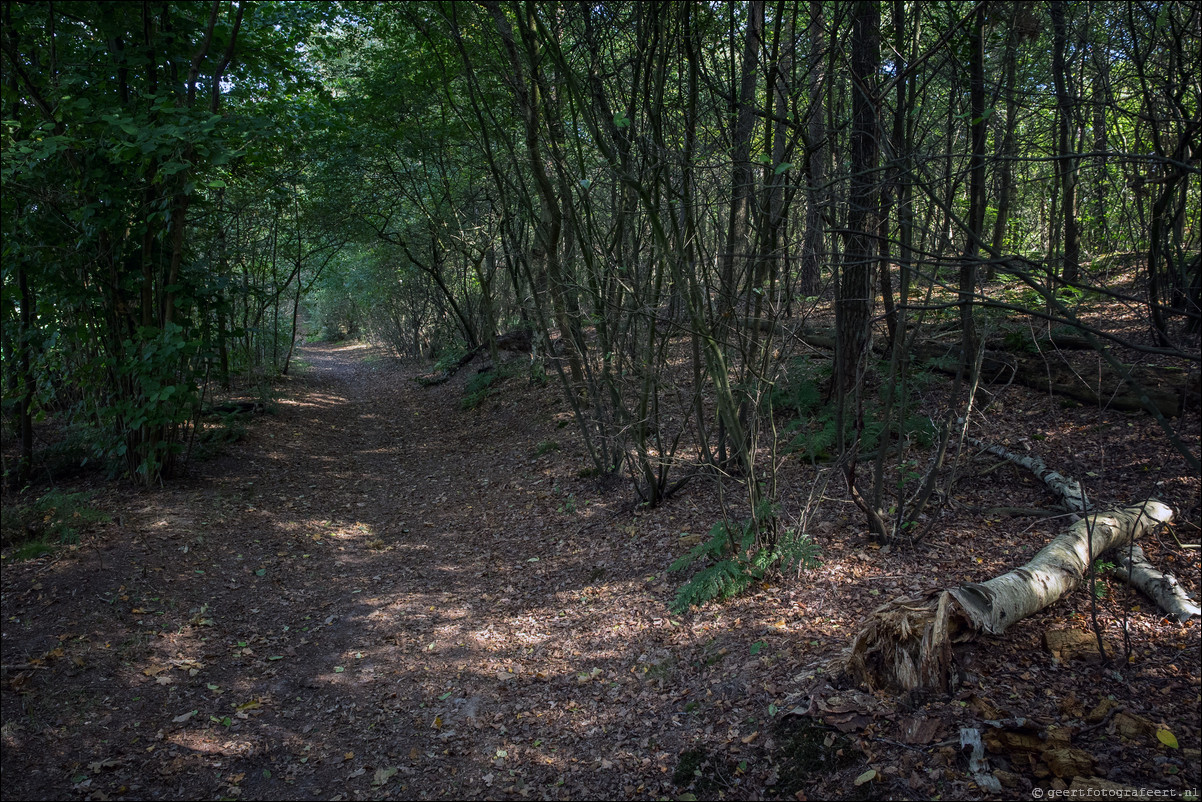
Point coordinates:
pixel 185 183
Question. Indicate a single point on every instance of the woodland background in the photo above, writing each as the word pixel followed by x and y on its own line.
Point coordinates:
pixel 794 256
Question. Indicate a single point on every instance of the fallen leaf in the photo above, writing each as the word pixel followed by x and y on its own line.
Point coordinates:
pixel 867 776
pixel 1166 737
pixel 180 719
pixel 382 775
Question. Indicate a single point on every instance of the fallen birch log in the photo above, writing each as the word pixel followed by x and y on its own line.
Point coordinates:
pixel 1068 490
pixel 907 643
pixel 1133 567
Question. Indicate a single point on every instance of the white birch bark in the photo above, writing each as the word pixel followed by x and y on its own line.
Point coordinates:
pixel 907 643
pixel 995 605
pixel 1133 568
pixel 1068 490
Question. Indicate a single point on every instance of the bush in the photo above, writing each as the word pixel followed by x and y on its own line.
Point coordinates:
pixel 483 385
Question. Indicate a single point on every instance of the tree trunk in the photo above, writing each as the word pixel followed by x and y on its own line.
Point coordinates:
pixel 1065 164
pixel 907 643
pixel 26 382
pixel 742 179
pixel 976 189
pixel 854 302
pixel 816 156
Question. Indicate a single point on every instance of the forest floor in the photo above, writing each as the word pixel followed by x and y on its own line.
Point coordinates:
pixel 378 594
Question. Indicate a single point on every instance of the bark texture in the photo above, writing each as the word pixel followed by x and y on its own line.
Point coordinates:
pixel 995 605
pixel 1133 567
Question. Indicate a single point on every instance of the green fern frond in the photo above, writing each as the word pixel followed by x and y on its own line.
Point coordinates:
pixel 720 581
pixel 715 547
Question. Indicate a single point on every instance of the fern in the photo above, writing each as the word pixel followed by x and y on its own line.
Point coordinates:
pixel 731 575
pixel 721 580
pixel 715 548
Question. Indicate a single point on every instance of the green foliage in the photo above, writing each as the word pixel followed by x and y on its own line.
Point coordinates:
pixel 145 419
pixel 546 447
pixel 797 392
pixel 732 572
pixel 55 519
pixel 814 434
pixel 816 439
pixel 485 384
pixel 1101 567
pixel 1019 341
pixel 451 356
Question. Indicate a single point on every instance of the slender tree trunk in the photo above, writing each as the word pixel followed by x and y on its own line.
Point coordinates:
pixel 21 476
pixel 902 146
pixel 742 179
pixel 1065 163
pixel 976 188
pixel 816 157
pixel 1006 151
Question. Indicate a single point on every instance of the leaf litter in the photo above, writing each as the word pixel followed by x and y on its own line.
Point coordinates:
pixel 501 647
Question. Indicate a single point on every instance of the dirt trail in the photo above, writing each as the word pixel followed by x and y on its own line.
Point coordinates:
pixel 382 599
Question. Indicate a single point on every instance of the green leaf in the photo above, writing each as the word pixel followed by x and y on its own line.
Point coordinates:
pixel 339 669
pixel 757 647
pixel 782 167
pixel 217 183
pixel 1166 737
pixel 444 697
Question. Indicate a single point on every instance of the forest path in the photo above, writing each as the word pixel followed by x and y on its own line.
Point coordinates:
pixel 447 611
pixel 373 594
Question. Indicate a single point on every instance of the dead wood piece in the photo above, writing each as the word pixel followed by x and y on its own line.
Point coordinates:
pixel 1068 490
pixel 907 643
pixel 236 407
pixel 1157 388
pixel 1132 567
pixel 1052 375
pixel 518 340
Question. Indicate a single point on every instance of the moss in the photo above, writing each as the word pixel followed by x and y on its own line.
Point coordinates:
pixel 807 749
pixel 703 774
